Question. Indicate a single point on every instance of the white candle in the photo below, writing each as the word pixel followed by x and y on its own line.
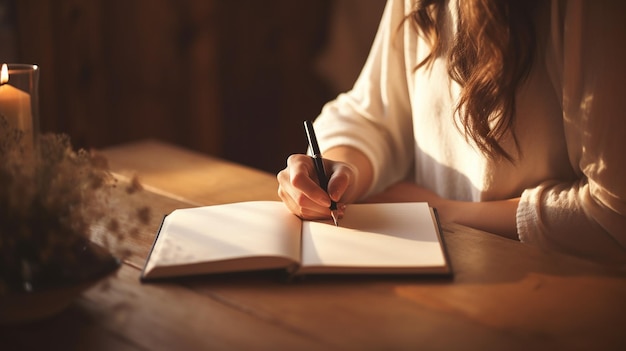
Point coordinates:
pixel 15 106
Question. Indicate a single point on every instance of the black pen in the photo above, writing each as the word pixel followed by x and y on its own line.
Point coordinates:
pixel 319 166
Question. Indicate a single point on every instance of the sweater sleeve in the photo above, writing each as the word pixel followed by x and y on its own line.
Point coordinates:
pixel 586 217
pixel 374 116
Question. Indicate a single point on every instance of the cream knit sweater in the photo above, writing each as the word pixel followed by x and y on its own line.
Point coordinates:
pixel 571 126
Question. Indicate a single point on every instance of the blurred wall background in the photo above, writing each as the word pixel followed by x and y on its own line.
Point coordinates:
pixel 230 78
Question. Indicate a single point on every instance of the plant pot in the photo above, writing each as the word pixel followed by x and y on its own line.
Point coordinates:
pixel 52 291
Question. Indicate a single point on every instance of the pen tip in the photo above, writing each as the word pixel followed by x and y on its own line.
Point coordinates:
pixel 335 217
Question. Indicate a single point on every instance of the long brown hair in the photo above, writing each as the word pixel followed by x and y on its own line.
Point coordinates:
pixel 491 56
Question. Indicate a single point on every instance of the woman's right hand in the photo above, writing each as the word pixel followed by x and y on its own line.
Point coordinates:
pixel 299 188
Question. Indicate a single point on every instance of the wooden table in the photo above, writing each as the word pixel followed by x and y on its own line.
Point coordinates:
pixel 504 296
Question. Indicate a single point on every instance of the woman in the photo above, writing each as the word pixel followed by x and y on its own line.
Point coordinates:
pixel 505 115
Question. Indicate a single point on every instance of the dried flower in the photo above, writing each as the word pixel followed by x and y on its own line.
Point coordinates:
pixel 49 201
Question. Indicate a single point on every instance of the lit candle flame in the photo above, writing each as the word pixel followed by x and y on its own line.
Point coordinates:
pixel 4 74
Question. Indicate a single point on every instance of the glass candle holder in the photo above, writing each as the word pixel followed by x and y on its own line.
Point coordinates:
pixel 19 99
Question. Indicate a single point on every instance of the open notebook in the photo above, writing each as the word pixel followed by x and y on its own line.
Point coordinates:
pixel 389 238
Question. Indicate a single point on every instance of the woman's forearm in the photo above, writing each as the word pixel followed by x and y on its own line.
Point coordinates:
pixel 497 217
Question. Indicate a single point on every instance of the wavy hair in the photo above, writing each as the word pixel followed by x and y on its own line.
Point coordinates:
pixel 492 53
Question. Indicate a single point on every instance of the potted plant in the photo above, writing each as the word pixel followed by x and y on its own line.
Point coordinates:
pixel 51 199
